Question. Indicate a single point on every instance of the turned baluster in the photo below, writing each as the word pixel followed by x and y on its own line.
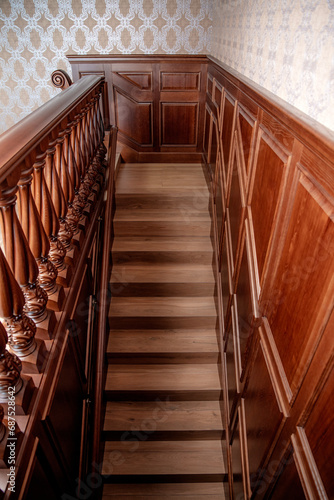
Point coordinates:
pixel 75 172
pixel 63 169
pixel 84 189
pixel 47 212
pixel 53 170
pixel 34 232
pixel 10 368
pixel 20 257
pixel 19 327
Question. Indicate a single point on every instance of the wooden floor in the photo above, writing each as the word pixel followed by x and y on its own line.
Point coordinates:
pixel 163 429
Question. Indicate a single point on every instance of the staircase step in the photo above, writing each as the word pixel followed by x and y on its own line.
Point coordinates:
pixel 165 341
pixel 167 199
pixel 162 306
pixel 149 272
pixel 173 377
pixel 143 458
pixel 132 289
pixel 161 228
pixel 153 417
pixel 162 249
pixel 156 177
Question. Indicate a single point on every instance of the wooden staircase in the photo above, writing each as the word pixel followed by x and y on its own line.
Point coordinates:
pixel 163 433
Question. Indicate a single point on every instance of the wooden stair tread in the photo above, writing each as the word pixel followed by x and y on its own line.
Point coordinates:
pixel 162 228
pixel 164 457
pixel 167 199
pixel 162 215
pixel 162 306
pixel 162 341
pixel 148 272
pixel 165 415
pixel 165 377
pixel 163 244
pixel 163 489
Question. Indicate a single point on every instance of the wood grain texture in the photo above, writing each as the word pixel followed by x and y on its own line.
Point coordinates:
pixel 163 351
pixel 166 457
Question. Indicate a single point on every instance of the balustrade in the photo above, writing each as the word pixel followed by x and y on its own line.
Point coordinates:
pixel 52 162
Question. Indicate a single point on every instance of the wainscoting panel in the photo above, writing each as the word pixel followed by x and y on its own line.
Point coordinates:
pixel 272 186
pixel 157 103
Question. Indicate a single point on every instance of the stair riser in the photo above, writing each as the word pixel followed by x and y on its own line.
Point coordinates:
pixel 163 358
pixel 187 395
pixel 153 435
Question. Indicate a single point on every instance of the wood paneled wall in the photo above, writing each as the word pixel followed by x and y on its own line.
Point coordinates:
pixel 273 200
pixel 156 102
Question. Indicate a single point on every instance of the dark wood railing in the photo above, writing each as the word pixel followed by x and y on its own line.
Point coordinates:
pixel 53 176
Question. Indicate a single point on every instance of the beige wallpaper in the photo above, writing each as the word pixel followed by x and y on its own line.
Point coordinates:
pixel 287 46
pixel 36 35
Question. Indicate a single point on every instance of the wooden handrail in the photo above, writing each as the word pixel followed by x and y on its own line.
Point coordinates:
pixel 52 183
pixel 21 140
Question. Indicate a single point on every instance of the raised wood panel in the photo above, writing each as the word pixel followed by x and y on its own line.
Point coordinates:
pixel 179 124
pixel 275 129
pixel 267 186
pixel 304 281
pixel 319 432
pixel 233 386
pixel 247 308
pixel 217 95
pixel 226 278
pixel 214 150
pixel 209 85
pixel 239 452
pixel 246 126
pixel 236 202
pixel 263 427
pixel 288 484
pixel 178 81
pixel 219 200
pixel 227 129
pixel 129 114
pixel 207 133
pixel 142 81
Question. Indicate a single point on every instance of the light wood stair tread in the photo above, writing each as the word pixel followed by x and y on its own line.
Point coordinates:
pixel 164 415
pixel 162 341
pixel 162 306
pixel 148 272
pixel 162 228
pixel 162 244
pixel 165 377
pixel 164 457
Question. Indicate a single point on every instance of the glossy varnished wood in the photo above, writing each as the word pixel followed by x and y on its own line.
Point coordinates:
pixel 163 350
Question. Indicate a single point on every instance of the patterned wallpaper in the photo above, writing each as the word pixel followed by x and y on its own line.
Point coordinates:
pixel 287 46
pixel 36 35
